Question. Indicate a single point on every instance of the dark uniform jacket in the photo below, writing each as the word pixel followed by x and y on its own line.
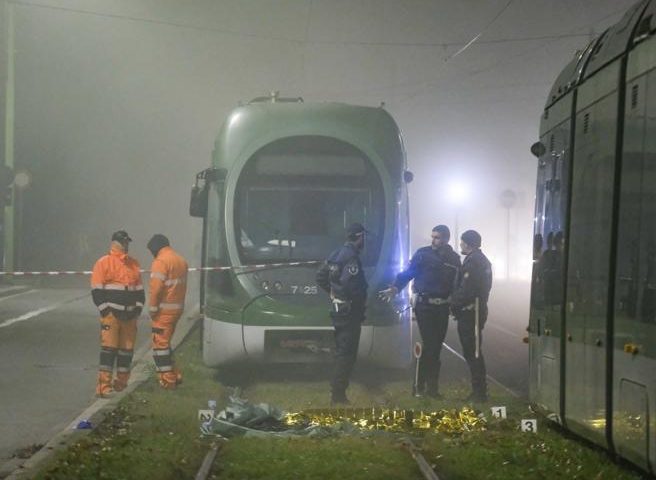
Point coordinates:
pixel 343 275
pixel 474 280
pixel 434 272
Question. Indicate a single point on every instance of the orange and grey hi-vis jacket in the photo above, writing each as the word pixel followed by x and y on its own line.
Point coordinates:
pixel 168 282
pixel 116 285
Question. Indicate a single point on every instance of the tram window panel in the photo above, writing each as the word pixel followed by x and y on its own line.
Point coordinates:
pixel 216 281
pixel 591 213
pixel 550 262
pixel 635 202
pixel 302 224
pixel 537 294
pixel 647 262
pixel 540 196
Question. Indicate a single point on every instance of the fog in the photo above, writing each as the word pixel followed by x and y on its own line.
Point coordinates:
pixel 117 105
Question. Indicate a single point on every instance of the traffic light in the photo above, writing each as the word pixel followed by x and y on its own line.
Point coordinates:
pixel 6 182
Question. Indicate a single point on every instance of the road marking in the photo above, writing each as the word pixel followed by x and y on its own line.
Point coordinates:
pixel 36 313
pixel 14 295
pixel 491 378
pixel 504 330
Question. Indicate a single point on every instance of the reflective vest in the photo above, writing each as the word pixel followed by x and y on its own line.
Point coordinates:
pixel 168 282
pixel 116 285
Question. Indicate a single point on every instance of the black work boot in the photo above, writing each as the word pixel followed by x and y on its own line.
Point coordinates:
pixel 339 398
pixel 433 383
pixel 477 397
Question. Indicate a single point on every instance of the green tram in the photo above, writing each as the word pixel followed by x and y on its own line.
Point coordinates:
pixel 592 329
pixel 287 177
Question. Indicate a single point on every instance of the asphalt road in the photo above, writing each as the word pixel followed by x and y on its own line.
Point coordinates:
pixel 49 344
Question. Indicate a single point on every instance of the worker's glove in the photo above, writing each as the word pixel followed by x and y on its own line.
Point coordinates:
pixel 388 294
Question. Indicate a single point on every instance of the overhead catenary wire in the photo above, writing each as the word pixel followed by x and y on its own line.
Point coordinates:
pixel 304 40
pixel 476 37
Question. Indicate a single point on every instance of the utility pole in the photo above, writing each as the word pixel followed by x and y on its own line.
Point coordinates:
pixel 8 221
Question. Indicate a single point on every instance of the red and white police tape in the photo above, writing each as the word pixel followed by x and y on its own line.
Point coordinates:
pixel 190 269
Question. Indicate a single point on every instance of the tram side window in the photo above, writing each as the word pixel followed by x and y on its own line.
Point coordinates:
pixel 628 251
pixel 636 265
pixel 549 236
pixel 647 267
pixel 551 267
pixel 537 293
pixel 636 253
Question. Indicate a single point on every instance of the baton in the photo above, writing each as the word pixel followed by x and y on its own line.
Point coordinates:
pixel 477 332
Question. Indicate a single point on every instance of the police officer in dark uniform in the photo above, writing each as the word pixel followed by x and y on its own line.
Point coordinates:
pixel 342 277
pixel 469 305
pixel 433 269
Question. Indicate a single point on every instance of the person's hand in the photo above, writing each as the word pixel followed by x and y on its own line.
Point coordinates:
pixel 388 294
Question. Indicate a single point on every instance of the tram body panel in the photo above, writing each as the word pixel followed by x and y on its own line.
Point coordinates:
pixel 295 176
pixel 607 357
pixel 634 389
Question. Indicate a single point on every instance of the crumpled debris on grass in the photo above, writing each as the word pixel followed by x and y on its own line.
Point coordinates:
pixel 240 417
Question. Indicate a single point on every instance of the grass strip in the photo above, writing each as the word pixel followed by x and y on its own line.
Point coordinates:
pixel 154 433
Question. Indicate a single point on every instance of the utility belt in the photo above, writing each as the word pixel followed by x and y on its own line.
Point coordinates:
pixel 342 308
pixel 425 299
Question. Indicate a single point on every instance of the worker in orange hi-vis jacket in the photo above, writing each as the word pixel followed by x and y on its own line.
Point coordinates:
pixel 118 292
pixel 168 287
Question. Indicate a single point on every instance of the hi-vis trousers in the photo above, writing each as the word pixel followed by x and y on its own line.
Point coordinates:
pixel 116 347
pixel 163 328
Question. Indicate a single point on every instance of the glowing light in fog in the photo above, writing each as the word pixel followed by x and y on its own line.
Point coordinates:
pixel 457 192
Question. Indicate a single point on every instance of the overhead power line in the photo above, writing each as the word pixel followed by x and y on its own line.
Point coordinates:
pixel 489 24
pixel 306 39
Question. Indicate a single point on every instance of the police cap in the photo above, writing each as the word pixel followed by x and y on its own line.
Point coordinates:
pixel 355 230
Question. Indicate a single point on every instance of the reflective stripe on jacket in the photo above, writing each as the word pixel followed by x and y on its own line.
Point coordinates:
pixel 168 282
pixel 116 285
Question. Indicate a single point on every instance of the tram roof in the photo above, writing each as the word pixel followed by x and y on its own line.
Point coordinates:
pixel 263 121
pixel 614 42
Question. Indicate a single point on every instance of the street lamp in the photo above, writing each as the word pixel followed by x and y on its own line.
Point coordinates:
pixel 457 194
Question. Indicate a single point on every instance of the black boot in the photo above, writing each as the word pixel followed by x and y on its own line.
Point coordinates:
pixel 433 384
pixel 339 398
pixel 477 397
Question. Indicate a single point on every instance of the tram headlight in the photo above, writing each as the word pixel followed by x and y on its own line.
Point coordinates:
pixel 265 285
pixel 277 285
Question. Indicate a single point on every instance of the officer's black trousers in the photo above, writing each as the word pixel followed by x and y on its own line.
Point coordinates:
pixel 433 322
pixel 347 339
pixel 466 328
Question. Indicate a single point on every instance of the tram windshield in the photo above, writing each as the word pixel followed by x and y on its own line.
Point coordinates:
pixel 297 196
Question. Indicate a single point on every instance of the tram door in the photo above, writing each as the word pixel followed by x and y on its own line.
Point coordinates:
pixel 548 243
pixel 589 254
